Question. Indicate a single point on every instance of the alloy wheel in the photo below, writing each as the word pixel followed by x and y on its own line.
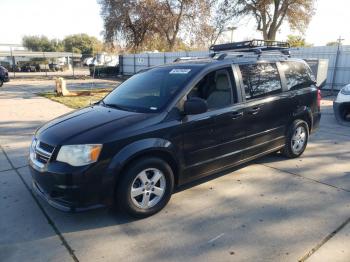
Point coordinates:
pixel 298 139
pixel 148 188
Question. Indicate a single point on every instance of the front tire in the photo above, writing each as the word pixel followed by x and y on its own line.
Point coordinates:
pixel 297 139
pixel 1 82
pixel 145 188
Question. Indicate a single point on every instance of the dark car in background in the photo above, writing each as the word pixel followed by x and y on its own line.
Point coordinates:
pixel 172 124
pixel 4 75
pixel 28 68
pixel 55 67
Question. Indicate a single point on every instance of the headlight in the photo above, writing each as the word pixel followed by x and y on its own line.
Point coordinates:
pixel 345 90
pixel 33 145
pixel 32 148
pixel 79 155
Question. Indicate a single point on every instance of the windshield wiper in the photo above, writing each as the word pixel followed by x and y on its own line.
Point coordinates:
pixel 115 106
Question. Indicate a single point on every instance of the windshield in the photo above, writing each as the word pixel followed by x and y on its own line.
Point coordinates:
pixel 150 91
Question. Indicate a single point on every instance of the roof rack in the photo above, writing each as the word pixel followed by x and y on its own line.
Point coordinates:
pixel 256 46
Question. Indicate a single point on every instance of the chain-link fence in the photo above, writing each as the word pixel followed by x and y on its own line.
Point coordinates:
pixel 26 64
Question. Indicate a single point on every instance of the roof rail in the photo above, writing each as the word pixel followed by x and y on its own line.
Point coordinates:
pixel 186 58
pixel 256 46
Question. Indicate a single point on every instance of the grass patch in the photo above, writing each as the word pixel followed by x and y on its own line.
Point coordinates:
pixel 80 100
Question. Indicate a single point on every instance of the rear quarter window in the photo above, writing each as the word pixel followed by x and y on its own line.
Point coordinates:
pixel 260 80
pixel 298 75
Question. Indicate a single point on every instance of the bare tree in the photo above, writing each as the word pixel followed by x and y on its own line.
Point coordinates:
pixel 127 21
pixel 166 24
pixel 217 21
pixel 271 14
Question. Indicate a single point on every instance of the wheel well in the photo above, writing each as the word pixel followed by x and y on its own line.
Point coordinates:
pixel 167 157
pixel 307 119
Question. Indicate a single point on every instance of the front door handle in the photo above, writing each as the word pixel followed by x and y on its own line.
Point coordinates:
pixel 254 110
pixel 236 115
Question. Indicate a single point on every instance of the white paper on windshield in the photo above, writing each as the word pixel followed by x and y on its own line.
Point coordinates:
pixel 180 71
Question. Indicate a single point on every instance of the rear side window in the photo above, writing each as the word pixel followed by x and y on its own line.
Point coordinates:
pixel 260 80
pixel 298 75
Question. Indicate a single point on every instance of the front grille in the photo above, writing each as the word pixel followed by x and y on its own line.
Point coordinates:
pixel 43 152
pixel 41 158
pixel 46 147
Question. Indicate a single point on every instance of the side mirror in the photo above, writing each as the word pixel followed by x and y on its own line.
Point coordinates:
pixel 195 106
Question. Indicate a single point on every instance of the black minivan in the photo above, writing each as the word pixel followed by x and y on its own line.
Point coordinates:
pixel 171 124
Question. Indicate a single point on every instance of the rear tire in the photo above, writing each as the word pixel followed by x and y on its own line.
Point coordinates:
pixel 1 82
pixel 145 188
pixel 296 140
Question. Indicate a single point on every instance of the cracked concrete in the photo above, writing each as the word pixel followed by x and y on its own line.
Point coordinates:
pixel 270 210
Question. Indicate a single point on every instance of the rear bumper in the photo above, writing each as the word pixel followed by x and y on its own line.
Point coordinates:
pixel 316 118
pixel 5 79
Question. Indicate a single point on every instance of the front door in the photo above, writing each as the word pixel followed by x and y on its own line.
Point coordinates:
pixel 213 140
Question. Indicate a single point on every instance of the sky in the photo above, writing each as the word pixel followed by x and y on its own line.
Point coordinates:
pixel 57 19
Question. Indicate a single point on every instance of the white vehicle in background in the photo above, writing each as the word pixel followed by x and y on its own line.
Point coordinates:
pixel 341 106
pixel 104 59
pixel 88 61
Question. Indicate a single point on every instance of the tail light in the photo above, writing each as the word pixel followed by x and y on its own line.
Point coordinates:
pixel 319 97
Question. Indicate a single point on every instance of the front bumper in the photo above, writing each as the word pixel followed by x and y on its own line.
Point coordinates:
pixel 338 108
pixel 61 205
pixel 71 189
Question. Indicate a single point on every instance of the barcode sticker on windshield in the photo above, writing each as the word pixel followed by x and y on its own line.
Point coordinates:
pixel 180 71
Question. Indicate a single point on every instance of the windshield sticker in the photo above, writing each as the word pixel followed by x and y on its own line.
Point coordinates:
pixel 153 108
pixel 180 71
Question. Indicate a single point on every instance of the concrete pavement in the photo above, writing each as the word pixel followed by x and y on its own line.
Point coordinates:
pixel 270 210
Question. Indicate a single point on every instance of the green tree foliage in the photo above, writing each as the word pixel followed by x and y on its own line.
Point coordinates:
pixel 297 41
pixel 79 43
pixel 82 43
pixel 38 43
pixel 57 45
pixel 333 43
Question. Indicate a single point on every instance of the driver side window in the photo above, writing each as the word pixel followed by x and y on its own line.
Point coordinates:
pixel 215 88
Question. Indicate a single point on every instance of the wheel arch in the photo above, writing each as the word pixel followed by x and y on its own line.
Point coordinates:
pixel 159 148
pixel 304 114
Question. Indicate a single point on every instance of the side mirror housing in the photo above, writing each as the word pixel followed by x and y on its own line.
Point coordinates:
pixel 195 106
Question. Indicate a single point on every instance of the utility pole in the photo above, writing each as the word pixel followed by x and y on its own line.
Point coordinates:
pixel 339 40
pixel 73 64
pixel 232 29
pixel 13 63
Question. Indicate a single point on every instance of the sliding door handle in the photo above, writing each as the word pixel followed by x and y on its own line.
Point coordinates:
pixel 236 115
pixel 254 110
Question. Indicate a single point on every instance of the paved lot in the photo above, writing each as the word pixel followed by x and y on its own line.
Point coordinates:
pixel 270 210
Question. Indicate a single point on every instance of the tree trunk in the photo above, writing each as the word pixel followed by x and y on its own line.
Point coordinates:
pixel 172 44
pixel 272 34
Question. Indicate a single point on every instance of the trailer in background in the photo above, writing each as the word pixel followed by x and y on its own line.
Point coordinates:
pixel 319 68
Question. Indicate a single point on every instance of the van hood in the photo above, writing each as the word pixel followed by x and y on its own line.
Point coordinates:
pixel 81 126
